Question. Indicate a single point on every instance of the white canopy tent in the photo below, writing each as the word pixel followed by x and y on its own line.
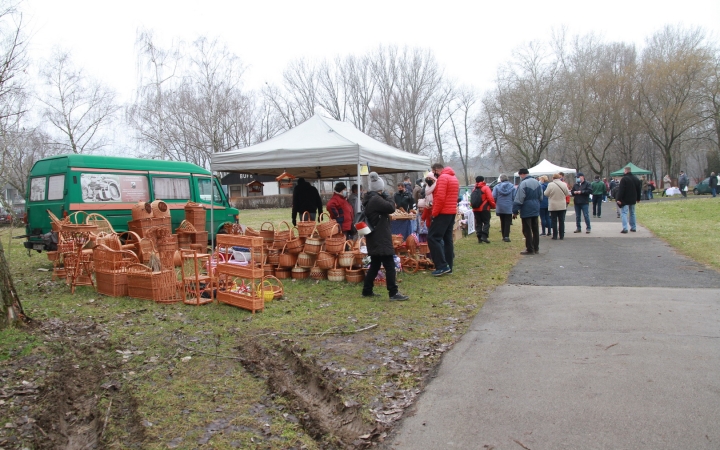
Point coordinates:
pixel 319 148
pixel 547 168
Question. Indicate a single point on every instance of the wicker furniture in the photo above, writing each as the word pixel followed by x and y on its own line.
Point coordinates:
pixel 238 284
pixel 196 286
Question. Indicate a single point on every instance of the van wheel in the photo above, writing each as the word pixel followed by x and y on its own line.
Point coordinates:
pixel 696 192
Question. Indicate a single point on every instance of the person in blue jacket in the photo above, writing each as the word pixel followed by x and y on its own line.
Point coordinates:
pixel 545 222
pixel 504 195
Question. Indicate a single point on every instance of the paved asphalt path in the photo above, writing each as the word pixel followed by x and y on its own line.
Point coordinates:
pixel 603 341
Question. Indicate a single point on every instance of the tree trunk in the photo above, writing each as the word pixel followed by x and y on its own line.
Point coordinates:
pixel 12 313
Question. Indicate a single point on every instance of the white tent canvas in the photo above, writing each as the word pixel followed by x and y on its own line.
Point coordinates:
pixel 547 168
pixel 319 148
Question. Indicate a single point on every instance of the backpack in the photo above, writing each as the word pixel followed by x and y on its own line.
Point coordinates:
pixel 476 198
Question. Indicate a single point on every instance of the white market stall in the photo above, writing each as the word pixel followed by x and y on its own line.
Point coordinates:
pixel 545 167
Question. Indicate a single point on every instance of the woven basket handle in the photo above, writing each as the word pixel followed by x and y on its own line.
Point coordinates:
pixel 262 227
pixel 302 216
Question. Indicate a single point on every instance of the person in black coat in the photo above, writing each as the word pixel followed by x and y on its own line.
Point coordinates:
pixel 403 199
pixel 628 194
pixel 581 192
pixel 305 198
pixel 378 207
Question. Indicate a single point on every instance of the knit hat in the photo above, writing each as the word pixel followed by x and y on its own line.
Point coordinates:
pixel 580 174
pixel 376 183
pixel 339 187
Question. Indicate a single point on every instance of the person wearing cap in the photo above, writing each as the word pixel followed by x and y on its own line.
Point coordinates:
pixel 581 191
pixel 378 206
pixel 598 193
pixel 527 205
pixel 504 196
pixel 628 194
pixel 306 198
pixel 339 209
pixel 482 212
pixel 683 183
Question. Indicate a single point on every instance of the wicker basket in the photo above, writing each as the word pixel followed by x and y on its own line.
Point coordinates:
pixel 113 284
pixel 346 258
pixel 276 285
pixel 146 284
pixel 295 244
pixel 423 249
pixel 250 232
pixel 285 234
pixel 354 275
pixel 305 227
pixel 108 260
pixel 142 210
pixel 359 255
pixel 300 273
pixel 267 233
pixel 313 244
pixel 336 274
pixel 196 215
pixel 325 260
pixel 397 240
pixel 273 257
pixel 326 229
pixel 317 273
pixel 287 259
pixel 282 273
pixel 160 209
pixel 265 290
pixel 306 260
pixel 334 244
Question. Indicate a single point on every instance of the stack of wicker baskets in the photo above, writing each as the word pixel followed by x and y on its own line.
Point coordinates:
pixel 195 214
pixel 111 270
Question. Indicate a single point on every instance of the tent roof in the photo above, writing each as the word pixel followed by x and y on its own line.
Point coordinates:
pixel 547 168
pixel 322 145
pixel 633 168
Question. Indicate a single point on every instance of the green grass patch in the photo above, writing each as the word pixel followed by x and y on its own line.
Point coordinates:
pixel 181 362
pixel 691 226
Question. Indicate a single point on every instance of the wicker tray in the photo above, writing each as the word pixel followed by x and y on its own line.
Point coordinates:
pixel 244 301
pixel 239 241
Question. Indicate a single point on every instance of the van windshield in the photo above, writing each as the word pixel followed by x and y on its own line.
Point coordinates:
pixel 207 188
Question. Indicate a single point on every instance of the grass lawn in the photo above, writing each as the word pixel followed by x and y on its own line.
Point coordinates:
pixel 691 226
pixel 320 366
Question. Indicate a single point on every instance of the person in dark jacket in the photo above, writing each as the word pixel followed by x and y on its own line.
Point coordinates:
pixel 402 198
pixel 545 222
pixel 581 191
pixel 713 183
pixel 628 194
pixel 305 198
pixel 598 192
pixel 378 207
pixel 482 212
pixel 527 204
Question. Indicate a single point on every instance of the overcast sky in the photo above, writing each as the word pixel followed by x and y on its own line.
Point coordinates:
pixel 469 38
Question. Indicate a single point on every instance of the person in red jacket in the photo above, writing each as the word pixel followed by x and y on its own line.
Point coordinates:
pixel 444 209
pixel 482 212
pixel 340 210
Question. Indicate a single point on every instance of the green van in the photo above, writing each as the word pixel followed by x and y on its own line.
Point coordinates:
pixel 111 186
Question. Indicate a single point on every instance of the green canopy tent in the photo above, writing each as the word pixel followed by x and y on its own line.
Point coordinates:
pixel 635 171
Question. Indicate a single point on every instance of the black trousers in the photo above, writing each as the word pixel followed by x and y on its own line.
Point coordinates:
pixel 597 205
pixel 531 233
pixel 482 224
pixel 505 222
pixel 386 261
pixel 558 222
pixel 440 240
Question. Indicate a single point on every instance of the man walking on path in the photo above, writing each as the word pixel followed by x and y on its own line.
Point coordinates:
pixel 482 212
pixel 444 209
pixel 527 203
pixel 598 192
pixel 683 183
pixel 581 191
pixel 713 184
pixel 628 195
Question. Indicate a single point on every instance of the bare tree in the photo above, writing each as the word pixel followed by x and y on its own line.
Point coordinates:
pixel 462 121
pixel 673 66
pixel 359 86
pixel 440 113
pixel 77 106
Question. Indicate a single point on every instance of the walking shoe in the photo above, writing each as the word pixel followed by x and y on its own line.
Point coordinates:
pixel 485 240
pixel 440 272
pixel 577 231
pixel 554 238
pixel 399 298
pixel 618 216
pixel 624 231
pixel 587 231
pixel 527 252
pixel 594 215
pixel 372 294
pixel 599 217
pixel 506 239
pixel 633 230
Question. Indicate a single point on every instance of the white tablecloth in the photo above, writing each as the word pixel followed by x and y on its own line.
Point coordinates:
pixel 470 217
pixel 672 191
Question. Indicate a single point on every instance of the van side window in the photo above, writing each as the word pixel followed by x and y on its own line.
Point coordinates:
pixel 171 188
pixel 37 189
pixel 205 189
pixel 56 187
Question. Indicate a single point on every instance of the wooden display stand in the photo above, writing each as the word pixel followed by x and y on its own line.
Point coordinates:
pixel 194 282
pixel 250 274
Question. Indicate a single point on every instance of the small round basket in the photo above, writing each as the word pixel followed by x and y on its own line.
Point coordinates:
pixel 326 229
pixel 299 273
pixel 313 244
pixel 317 273
pixel 335 244
pixel 354 275
pixel 305 226
pixel 325 260
pixel 305 260
pixel 346 258
pixel 336 274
